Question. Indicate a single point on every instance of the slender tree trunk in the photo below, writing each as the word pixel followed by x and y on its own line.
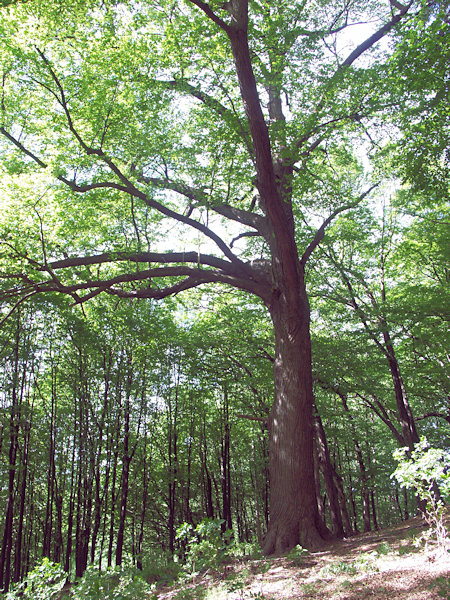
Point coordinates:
pixel 173 467
pixel 405 413
pixel 112 510
pixel 327 469
pixel 374 510
pixel 48 527
pixel 206 479
pixel 343 503
pixel 257 488
pixel 26 428
pixel 225 465
pixel 124 488
pixel 101 484
pixel 405 501
pixel 187 487
pixel 23 493
pixel 145 482
pixel 320 500
pixel 69 541
pixel 351 494
pixel 7 540
pixel 365 492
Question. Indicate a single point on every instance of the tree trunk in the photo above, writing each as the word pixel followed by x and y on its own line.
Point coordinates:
pixel 69 541
pixel 320 500
pixel 15 416
pixel 294 517
pixel 206 477
pixel 173 466
pixel 225 465
pixel 323 454
pixel 23 493
pixel 362 467
pixel 126 461
pixel 342 503
pixel 145 483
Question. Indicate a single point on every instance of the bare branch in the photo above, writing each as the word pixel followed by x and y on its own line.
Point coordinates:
pixel 263 420
pixel 244 235
pixel 16 305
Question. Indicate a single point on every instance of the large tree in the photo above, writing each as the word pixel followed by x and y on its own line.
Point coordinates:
pixel 130 124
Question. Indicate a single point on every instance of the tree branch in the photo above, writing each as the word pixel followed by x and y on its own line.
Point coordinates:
pixel 145 257
pixel 244 235
pixel 183 86
pixel 211 15
pixel 438 415
pixel 373 39
pixel 320 233
pixel 355 54
pixel 263 420
pixel 129 188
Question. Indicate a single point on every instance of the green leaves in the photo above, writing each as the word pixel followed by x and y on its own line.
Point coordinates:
pixel 42 583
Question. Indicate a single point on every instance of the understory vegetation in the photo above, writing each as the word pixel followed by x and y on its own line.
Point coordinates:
pixel 406 561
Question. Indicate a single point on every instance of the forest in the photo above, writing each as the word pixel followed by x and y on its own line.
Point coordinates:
pixel 224 268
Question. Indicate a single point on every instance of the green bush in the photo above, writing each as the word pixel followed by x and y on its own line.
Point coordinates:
pixel 159 567
pixel 297 554
pixel 42 583
pixel 424 469
pixel 206 545
pixel 118 583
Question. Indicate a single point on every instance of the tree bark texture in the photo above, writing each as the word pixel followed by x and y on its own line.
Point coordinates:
pixel 294 517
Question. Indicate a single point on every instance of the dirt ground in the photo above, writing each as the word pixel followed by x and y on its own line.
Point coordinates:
pixel 383 565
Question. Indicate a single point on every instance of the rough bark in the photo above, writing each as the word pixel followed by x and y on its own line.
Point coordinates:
pixel 294 517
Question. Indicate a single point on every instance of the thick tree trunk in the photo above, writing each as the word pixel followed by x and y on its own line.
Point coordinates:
pixel 294 517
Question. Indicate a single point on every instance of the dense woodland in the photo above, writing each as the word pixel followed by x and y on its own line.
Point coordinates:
pixel 224 271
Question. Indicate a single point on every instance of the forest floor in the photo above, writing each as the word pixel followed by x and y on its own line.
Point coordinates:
pixel 377 565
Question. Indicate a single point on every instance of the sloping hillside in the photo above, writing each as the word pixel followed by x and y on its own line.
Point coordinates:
pixel 381 565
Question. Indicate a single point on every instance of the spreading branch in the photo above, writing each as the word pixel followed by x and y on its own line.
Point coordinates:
pixel 349 60
pixel 320 233
pixel 201 198
pixel 146 257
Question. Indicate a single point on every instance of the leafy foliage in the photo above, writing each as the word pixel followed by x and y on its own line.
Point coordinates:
pixel 42 583
pixel 427 471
